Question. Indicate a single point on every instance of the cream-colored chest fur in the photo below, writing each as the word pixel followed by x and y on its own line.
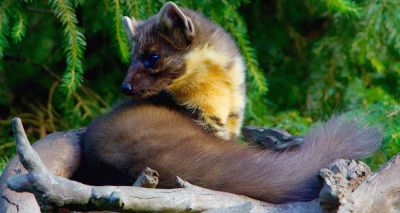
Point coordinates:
pixel 214 84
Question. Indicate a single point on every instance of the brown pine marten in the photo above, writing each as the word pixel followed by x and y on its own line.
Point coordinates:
pixel 135 136
pixel 180 52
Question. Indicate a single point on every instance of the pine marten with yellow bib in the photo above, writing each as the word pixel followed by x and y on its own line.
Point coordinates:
pixel 195 61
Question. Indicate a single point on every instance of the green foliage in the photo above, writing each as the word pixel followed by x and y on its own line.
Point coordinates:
pixel 121 40
pixel 3 163
pixel 74 43
pixel 19 28
pixel 4 25
pixel 324 57
pixel 383 114
pixel 339 7
pixel 61 61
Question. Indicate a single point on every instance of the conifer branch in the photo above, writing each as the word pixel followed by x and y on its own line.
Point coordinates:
pixel 133 9
pixel 74 44
pixel 4 31
pixel 342 6
pixel 19 28
pixel 122 44
pixel 4 22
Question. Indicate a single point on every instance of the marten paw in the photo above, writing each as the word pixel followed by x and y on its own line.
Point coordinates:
pixel 271 138
pixel 214 125
pixel 223 134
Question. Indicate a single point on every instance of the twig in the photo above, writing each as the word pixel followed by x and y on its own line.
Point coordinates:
pixel 147 179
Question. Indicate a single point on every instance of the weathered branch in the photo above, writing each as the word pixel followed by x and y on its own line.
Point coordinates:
pixel 60 151
pixel 348 187
pixel 340 179
pixel 147 179
pixel 381 191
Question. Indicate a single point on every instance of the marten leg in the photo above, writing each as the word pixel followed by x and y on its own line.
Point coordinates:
pixel 271 138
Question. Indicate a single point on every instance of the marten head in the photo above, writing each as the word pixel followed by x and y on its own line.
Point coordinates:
pixel 158 48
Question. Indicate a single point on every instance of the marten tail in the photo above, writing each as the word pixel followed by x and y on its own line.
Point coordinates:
pixel 132 138
pixel 292 175
pixel 343 137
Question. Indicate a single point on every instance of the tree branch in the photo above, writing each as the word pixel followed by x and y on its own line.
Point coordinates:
pixel 147 179
pixel 60 152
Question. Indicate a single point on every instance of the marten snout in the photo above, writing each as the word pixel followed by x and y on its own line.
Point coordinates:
pixel 134 79
pixel 138 84
pixel 126 88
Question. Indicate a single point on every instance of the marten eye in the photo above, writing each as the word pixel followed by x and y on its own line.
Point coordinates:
pixel 150 60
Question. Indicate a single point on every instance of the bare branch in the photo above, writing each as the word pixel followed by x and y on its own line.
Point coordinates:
pixel 30 159
pixel 381 191
pixel 60 152
pixel 340 179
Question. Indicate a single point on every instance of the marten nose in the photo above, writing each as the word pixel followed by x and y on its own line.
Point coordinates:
pixel 126 87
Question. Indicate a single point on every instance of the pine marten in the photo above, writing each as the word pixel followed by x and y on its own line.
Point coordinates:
pixel 135 136
pixel 182 53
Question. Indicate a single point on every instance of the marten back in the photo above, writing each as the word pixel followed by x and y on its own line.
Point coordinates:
pixel 131 138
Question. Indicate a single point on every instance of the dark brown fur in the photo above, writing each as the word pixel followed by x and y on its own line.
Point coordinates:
pixel 131 138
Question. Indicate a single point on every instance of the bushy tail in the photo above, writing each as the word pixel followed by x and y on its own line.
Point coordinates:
pixel 341 137
pixel 133 138
pixel 295 172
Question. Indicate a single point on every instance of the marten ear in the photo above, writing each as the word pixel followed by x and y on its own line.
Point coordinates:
pixel 172 20
pixel 129 26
